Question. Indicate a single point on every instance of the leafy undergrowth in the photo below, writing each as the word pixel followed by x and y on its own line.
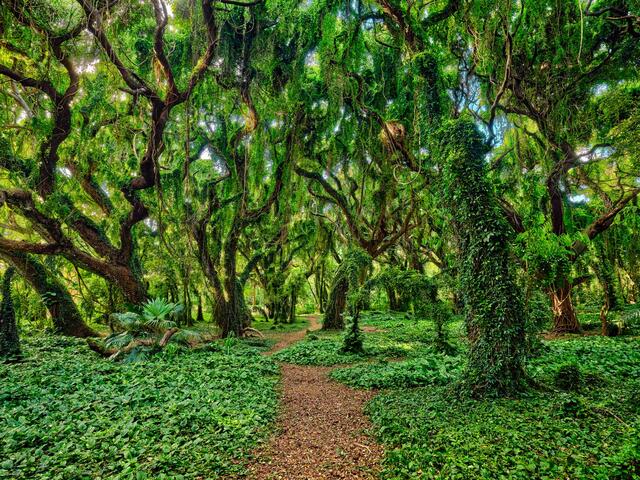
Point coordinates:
pixel 433 369
pixel 582 422
pixel 388 336
pixel 266 326
pixel 64 413
pixel 316 351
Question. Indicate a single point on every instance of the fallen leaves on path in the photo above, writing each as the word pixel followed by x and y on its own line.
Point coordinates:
pixel 321 432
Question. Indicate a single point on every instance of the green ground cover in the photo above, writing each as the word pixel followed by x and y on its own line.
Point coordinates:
pixel 67 414
pixel 580 419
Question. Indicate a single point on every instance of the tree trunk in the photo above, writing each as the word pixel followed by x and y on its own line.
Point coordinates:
pixel 227 318
pixel 200 316
pixel 493 299
pixel 9 340
pixel 231 313
pixel 292 307
pixel 604 324
pixel 320 288
pixel 393 299
pixel 333 315
pixel 132 287
pixel 64 313
pixel 565 319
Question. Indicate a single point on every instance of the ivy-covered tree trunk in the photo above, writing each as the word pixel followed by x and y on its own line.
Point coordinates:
pixel 565 318
pixel 493 302
pixel 350 274
pixel 334 310
pixel 64 313
pixel 9 340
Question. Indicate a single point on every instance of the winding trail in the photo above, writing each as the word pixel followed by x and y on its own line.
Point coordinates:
pixel 321 431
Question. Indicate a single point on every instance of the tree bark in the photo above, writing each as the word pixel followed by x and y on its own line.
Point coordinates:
pixel 333 315
pixel 64 313
pixel 565 319
pixel 231 313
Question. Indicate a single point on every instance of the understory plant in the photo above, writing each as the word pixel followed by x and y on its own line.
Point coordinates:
pixel 150 329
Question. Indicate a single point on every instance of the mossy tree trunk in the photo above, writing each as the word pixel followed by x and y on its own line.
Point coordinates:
pixel 9 339
pixel 228 316
pixel 64 313
pixel 336 303
pixel 493 302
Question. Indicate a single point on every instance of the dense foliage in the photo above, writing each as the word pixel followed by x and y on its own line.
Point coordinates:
pixel 587 431
pixel 450 185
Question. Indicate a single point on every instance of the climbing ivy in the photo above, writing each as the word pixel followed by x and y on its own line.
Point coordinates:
pixel 493 301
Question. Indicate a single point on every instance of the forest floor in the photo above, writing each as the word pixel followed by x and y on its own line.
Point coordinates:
pixel 321 431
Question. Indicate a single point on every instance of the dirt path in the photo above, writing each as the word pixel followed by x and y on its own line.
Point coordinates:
pixel 321 429
pixel 283 340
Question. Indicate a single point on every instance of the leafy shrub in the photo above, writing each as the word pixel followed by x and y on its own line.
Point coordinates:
pixel 572 407
pixel 569 377
pixel 352 341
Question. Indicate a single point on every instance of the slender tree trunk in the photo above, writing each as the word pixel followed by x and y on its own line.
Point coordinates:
pixel 64 313
pixel 565 319
pixel 200 316
pixel 333 315
pixel 292 307
pixel 320 288
pixel 604 324
pixel 393 300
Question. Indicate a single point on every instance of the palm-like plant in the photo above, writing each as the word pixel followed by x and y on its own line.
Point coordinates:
pixel 160 315
pixel 156 317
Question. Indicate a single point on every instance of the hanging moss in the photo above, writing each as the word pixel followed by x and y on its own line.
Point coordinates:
pixel 495 318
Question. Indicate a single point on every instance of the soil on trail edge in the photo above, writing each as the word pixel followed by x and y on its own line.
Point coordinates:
pixel 321 429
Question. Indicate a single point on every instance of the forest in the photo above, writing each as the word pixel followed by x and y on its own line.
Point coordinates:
pixel 319 239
